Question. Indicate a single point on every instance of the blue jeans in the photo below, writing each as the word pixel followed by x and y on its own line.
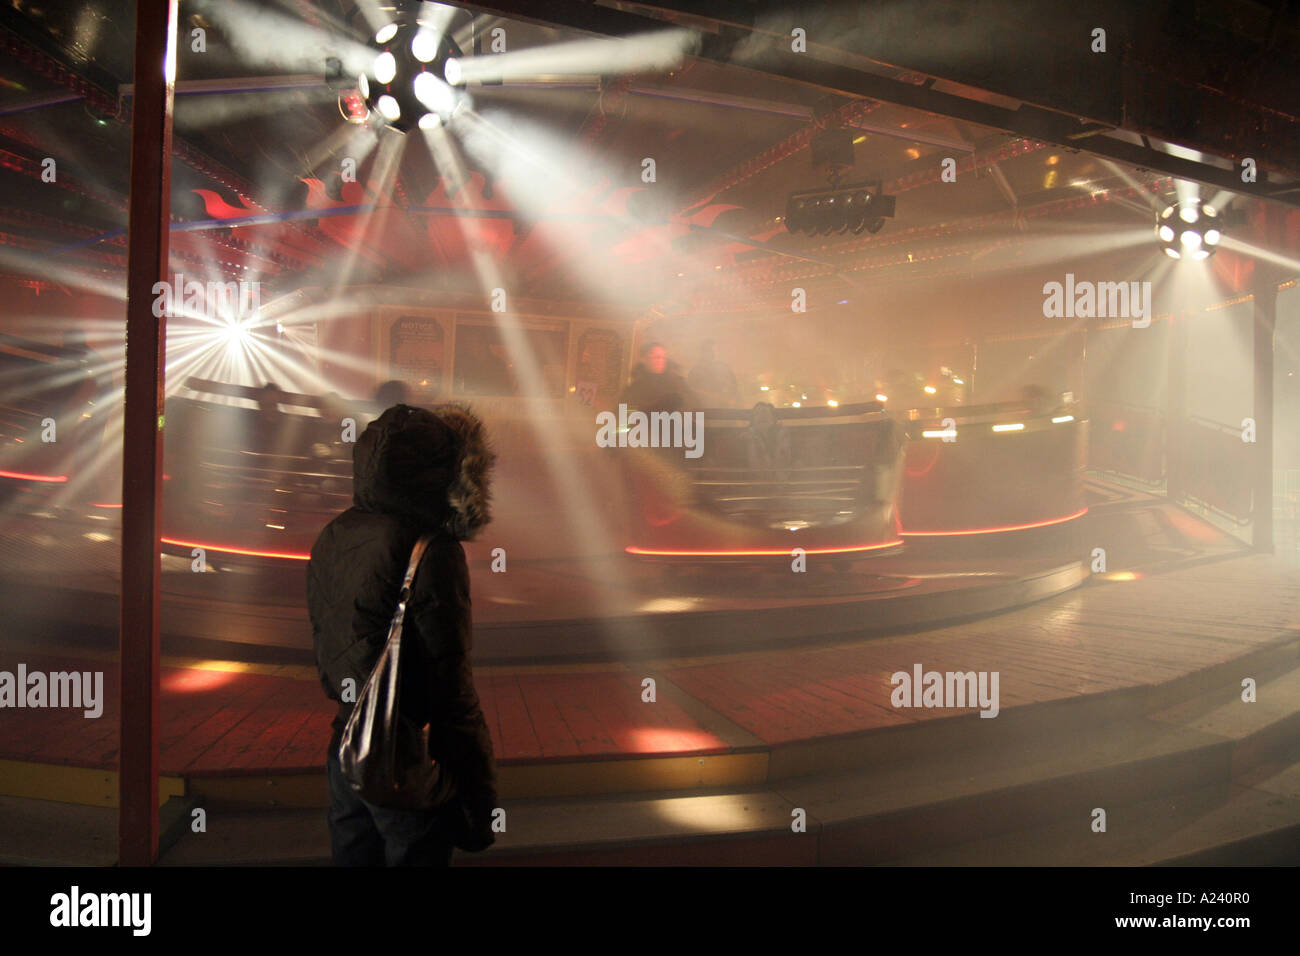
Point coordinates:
pixel 362 834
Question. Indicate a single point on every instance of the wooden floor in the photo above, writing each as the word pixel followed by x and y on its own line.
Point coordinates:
pixel 229 718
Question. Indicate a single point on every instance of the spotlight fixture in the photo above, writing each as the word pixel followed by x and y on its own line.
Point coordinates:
pixel 852 208
pixel 407 82
pixel 1189 229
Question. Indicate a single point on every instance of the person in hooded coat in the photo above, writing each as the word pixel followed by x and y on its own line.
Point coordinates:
pixel 415 472
pixel 657 384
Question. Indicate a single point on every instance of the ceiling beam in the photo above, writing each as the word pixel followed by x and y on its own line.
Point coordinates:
pixel 735 24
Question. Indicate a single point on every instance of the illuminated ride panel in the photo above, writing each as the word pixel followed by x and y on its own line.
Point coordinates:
pixel 990 469
pixel 823 480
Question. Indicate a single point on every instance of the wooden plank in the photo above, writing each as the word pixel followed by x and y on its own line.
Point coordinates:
pixel 503 699
pixel 246 692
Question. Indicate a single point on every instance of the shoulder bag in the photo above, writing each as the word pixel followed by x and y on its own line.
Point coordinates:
pixel 384 755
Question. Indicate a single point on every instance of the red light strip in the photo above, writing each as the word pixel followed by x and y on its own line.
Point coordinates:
pixel 96 505
pixel 244 551
pixel 19 476
pixel 758 553
pixel 1010 527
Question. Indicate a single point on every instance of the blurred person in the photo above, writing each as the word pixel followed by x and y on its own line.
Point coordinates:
pixel 767 444
pixel 269 397
pixel 333 408
pixel 393 392
pixel 657 383
pixel 415 472
pixel 268 422
pixel 1036 399
pixel 713 380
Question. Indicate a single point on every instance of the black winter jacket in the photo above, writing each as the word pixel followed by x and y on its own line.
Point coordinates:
pixel 414 471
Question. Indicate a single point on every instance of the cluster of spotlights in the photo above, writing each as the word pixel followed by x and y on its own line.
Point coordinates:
pixel 843 209
pixel 1189 229
pixel 413 77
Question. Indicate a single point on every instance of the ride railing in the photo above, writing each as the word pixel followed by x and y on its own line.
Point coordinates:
pixel 1216 475
pixel 1128 441
pixel 1286 514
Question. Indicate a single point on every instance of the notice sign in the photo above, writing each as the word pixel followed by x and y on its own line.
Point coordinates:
pixel 416 355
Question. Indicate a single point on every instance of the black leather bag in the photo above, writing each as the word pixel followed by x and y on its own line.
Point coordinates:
pixel 385 756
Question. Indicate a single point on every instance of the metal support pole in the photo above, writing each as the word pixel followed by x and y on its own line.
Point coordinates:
pixel 148 222
pixel 1176 406
pixel 1264 324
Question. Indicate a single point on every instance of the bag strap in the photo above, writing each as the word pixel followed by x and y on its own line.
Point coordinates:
pixel 417 553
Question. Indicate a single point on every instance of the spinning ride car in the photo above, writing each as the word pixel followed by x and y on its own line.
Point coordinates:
pixel 768 481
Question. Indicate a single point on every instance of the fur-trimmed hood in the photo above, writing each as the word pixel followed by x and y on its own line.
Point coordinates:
pixel 429 465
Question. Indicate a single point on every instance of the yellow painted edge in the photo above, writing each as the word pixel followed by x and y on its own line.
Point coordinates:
pixel 292 790
pixel 81 785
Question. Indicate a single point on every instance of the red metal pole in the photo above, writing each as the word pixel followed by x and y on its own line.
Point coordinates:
pixel 148 223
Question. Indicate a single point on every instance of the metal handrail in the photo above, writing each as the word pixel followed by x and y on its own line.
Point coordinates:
pixel 1218 426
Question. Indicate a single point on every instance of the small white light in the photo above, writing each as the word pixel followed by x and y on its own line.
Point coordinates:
pixel 1172 253
pixel 424 46
pixel 763 388
pixel 430 121
pixel 434 93
pixel 796 405
pixel 386 33
pixel 1190 238
pixel 1189 213
pixel 832 403
pixel 940 433
pixel 958 381
pixel 363 85
pixel 1169 211
pixel 425 88
pixel 452 71
pixel 1209 210
pixel 881 397
pixel 1212 237
pixel 385 67
pixel 930 390
pixel 388 107
pixel 1061 419
pixel 1013 427
pixel 1166 234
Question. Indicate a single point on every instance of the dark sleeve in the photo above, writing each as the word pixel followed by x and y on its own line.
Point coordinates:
pixel 458 732
pixel 315 613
